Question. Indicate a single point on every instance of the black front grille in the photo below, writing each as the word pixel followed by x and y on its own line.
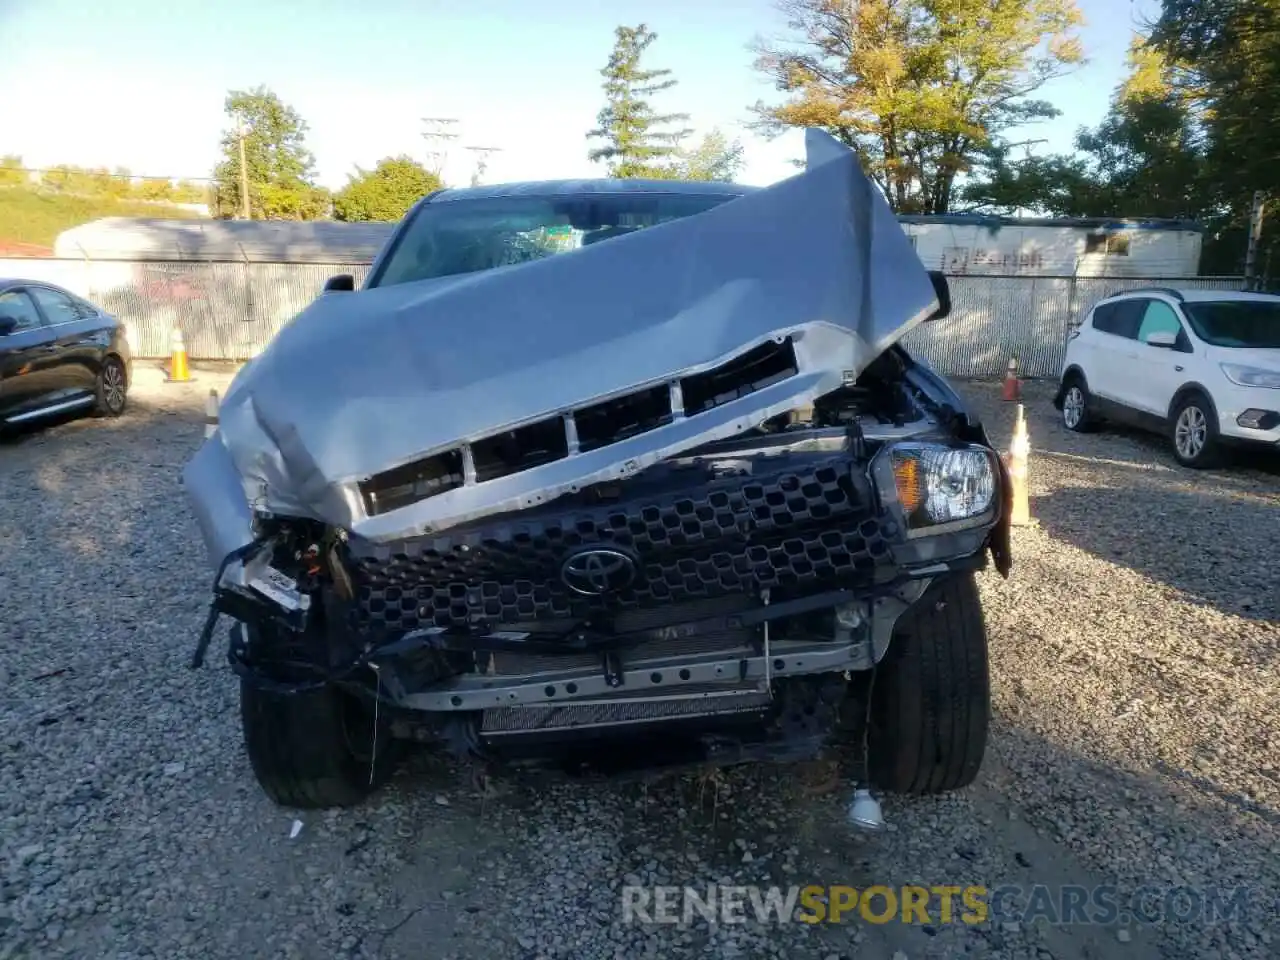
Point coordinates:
pixel 803 526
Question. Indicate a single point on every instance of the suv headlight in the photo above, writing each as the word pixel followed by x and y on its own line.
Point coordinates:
pixel 938 488
pixel 1244 376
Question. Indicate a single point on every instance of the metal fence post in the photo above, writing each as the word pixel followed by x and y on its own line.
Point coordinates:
pixel 1073 293
pixel 246 349
pixel 1026 351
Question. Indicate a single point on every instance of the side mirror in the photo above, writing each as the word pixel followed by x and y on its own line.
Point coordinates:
pixel 942 291
pixel 1163 338
pixel 8 325
pixel 340 283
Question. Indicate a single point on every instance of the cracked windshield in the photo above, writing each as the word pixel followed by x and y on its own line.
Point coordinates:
pixel 446 239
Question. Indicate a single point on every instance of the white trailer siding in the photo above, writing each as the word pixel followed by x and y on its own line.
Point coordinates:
pixel 958 245
pixel 1085 248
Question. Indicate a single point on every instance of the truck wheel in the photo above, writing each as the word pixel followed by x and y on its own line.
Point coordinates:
pixel 314 749
pixel 931 698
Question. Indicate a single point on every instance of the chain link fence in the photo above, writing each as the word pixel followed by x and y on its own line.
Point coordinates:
pixel 229 310
pixel 225 310
pixel 995 318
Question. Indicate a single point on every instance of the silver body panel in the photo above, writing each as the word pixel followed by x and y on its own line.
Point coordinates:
pixel 360 383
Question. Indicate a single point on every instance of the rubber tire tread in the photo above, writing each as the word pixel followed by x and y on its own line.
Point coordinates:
pixel 100 407
pixel 1211 453
pixel 299 753
pixel 931 699
pixel 1089 423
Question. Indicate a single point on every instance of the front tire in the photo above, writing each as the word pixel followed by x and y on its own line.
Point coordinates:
pixel 113 388
pixel 1077 407
pixel 316 749
pixel 1194 433
pixel 931 698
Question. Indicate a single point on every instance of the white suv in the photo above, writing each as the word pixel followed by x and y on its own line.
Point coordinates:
pixel 1200 366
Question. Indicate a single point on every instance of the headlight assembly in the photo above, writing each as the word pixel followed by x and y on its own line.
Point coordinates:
pixel 1245 376
pixel 938 488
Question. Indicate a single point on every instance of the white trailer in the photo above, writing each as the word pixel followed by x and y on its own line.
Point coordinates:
pixel 963 244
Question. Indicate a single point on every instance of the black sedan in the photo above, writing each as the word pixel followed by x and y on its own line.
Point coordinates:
pixel 58 354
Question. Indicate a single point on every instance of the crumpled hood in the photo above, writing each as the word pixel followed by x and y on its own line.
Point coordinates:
pixel 362 382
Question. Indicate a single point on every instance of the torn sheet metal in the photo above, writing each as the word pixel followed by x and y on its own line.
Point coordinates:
pixel 359 383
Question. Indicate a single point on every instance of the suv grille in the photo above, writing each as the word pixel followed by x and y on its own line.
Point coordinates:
pixel 802 526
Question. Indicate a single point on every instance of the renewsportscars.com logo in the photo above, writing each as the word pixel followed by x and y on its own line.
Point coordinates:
pixel 939 904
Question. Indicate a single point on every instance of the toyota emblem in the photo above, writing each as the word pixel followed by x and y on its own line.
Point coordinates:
pixel 597 571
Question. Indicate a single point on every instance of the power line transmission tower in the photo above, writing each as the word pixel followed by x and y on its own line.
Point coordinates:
pixel 439 133
pixel 482 162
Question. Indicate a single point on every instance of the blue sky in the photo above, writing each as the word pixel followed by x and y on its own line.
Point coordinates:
pixel 140 83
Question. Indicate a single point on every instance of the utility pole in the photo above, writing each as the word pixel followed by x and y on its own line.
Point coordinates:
pixel 1255 235
pixel 482 162
pixel 245 213
pixel 439 133
pixel 1028 144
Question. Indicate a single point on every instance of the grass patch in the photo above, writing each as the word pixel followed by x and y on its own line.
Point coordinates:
pixel 34 216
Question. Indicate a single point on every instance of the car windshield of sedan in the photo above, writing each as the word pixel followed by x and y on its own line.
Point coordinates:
pixel 1236 323
pixel 465 236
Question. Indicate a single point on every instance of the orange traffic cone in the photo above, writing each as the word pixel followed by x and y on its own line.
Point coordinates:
pixel 1012 386
pixel 1019 452
pixel 178 371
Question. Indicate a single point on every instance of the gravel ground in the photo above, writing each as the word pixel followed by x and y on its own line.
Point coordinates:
pixel 1135 654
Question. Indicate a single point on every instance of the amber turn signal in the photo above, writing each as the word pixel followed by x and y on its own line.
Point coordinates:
pixel 906 477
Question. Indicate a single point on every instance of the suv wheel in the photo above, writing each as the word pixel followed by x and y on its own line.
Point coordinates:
pixel 315 749
pixel 931 699
pixel 1195 432
pixel 320 747
pixel 1077 412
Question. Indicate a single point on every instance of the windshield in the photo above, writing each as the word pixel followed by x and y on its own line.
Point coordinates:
pixel 1236 323
pixel 453 237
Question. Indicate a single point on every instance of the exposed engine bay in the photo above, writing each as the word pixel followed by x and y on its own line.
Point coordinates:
pixel 730 583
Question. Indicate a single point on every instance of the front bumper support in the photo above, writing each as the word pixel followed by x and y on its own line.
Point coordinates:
pixel 729 669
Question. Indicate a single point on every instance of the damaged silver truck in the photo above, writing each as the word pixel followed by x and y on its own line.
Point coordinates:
pixel 610 475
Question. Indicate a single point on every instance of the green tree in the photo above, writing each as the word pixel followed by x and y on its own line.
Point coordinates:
pixel 386 192
pixel 154 189
pixel 918 88
pixel 1229 55
pixel 1146 153
pixel 120 185
pixel 1145 158
pixel 714 158
pixel 1228 65
pixel 65 178
pixel 1056 185
pixel 11 171
pixel 281 170
pixel 635 145
pixel 188 191
pixel 100 182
